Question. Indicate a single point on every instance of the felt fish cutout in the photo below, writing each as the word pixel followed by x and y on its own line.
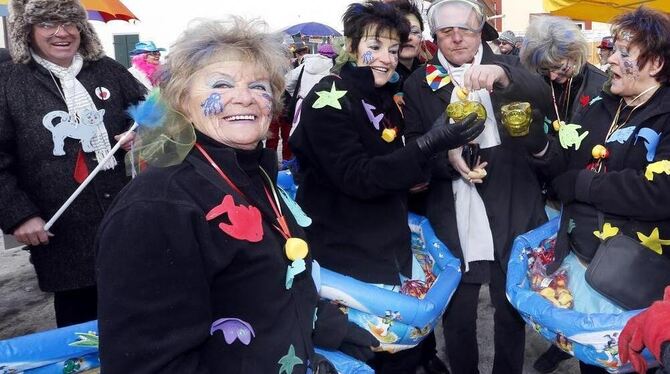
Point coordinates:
pixel 233 329
pixel 329 98
pixel 653 241
pixel 301 218
pixel 568 136
pixel 289 361
pixel 437 76
pixel 212 105
pixel 608 232
pixel 651 138
pixel 296 267
pixel 658 167
pixel 621 135
pixel 374 120
pixel 595 100
pixel 86 339
pixel 245 222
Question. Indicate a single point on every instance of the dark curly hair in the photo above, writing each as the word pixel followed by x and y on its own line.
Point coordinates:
pixel 384 17
pixel 407 7
pixel 650 31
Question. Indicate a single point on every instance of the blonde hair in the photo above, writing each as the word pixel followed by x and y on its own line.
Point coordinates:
pixel 206 41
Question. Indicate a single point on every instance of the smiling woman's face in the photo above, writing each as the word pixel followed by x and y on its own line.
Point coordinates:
pixel 380 53
pixel 231 102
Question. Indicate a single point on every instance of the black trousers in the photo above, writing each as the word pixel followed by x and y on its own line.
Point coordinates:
pixel 460 328
pixel 76 306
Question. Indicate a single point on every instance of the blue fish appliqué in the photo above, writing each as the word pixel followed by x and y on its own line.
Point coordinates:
pixel 651 139
pixel 621 135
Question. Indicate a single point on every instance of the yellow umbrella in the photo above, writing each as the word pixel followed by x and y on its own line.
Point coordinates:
pixel 600 10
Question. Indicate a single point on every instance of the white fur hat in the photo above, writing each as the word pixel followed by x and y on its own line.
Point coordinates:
pixel 23 14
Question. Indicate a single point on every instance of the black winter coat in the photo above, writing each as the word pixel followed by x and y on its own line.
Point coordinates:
pixel 511 191
pixel 354 184
pixel 166 273
pixel 632 195
pixel 34 182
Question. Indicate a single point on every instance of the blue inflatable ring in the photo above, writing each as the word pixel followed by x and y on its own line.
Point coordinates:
pixel 592 338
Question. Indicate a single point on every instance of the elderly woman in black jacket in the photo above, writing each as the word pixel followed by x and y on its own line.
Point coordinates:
pixel 616 181
pixel 202 266
pixel 354 168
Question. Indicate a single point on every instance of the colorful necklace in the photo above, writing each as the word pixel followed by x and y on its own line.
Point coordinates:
pixel 599 152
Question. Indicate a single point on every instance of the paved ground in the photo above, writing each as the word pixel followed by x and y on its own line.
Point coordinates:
pixel 25 309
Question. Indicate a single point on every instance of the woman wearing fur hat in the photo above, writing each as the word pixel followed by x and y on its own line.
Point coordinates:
pixel 62 101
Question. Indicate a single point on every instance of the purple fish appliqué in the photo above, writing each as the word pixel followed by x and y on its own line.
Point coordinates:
pixel 232 329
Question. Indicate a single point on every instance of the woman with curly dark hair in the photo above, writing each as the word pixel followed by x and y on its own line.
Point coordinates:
pixel 354 169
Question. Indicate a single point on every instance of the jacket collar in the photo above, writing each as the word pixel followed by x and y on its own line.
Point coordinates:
pixel 652 108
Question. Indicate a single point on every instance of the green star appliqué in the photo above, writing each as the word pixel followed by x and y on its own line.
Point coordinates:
pixel 289 361
pixel 329 98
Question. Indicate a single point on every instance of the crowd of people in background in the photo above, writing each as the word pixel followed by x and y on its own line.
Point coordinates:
pixel 167 259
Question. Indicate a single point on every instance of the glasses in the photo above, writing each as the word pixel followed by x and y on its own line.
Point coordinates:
pixel 562 69
pixel 415 32
pixel 449 31
pixel 154 53
pixel 53 28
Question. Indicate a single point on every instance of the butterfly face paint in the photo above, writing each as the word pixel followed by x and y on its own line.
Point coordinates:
pixel 212 105
pixel 231 102
pixel 380 53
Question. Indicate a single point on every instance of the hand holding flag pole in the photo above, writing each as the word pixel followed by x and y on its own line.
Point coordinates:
pixel 148 113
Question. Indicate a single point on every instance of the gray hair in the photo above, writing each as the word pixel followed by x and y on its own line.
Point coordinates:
pixel 207 41
pixel 550 40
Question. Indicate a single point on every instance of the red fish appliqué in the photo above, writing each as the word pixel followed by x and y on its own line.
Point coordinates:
pixel 245 222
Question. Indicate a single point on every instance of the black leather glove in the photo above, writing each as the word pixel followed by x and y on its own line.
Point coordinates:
pixel 321 365
pixel 449 136
pixel 565 186
pixel 333 331
pixel 357 343
pixel 536 140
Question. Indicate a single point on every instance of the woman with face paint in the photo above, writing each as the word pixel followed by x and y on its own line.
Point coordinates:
pixel 354 170
pixel 202 264
pixel 616 178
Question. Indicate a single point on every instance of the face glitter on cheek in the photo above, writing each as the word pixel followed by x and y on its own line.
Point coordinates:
pixel 212 105
pixel 630 67
pixel 367 57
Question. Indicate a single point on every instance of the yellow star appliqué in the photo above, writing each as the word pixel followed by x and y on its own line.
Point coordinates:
pixel 657 167
pixel 329 98
pixel 653 241
pixel 608 232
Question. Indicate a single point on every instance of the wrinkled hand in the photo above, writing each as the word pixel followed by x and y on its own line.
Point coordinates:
pixel 127 142
pixel 649 329
pixel 358 343
pixel 458 163
pixel 448 136
pixel 32 232
pixel 480 77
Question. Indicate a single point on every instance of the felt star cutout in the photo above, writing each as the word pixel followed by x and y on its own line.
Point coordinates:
pixel 658 167
pixel 608 231
pixel 329 98
pixel 653 241
pixel 289 361
pixel 584 100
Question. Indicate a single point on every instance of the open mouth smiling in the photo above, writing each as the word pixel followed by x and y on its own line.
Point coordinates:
pixel 379 69
pixel 240 117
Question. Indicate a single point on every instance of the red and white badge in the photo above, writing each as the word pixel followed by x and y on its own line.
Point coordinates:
pixel 102 93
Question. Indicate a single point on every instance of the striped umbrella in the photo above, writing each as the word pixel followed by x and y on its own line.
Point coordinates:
pixel 98 10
